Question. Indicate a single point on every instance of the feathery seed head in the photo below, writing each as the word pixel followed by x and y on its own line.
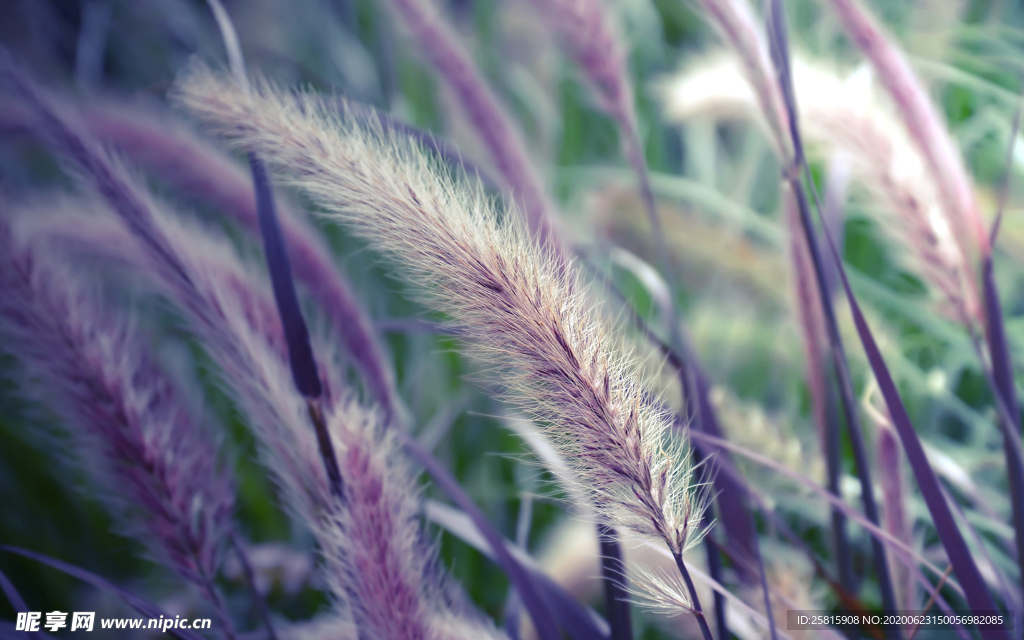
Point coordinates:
pixel 158 467
pixel 518 312
pixel 590 34
pixel 842 115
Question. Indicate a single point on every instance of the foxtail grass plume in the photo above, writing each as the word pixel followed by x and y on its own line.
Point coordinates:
pixel 381 572
pixel 128 421
pixel 925 126
pixel 218 309
pixel 591 37
pixel 841 115
pixel 375 554
pixel 556 355
pixel 742 32
pixel 178 157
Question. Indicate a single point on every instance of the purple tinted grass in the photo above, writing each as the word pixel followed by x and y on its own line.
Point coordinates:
pixel 579 622
pixel 530 593
pixel 106 177
pixel 589 34
pixel 135 602
pixel 260 376
pixel 522 312
pixel 1002 365
pixel 739 27
pixel 779 47
pixel 158 468
pixel 499 134
pixel 976 592
pixel 925 126
pixel 894 507
pixel 243 357
pixel 823 402
pixel 175 155
pixel 305 373
pixel 17 602
pixel 206 301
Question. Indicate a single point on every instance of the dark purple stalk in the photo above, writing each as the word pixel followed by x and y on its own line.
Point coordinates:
pixel 697 611
pixel 833 467
pixel 1004 386
pixel 300 354
pixel 1002 366
pixel 714 558
pixel 975 590
pixel 303 365
pixel 777 30
pixel 731 494
pixel 613 574
pixel 819 383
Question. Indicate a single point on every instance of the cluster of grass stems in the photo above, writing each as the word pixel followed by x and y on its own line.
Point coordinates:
pixel 486 250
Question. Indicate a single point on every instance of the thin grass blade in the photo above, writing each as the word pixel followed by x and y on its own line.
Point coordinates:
pixel 529 591
pixel 779 46
pixel 580 622
pixel 1002 364
pixel 17 602
pixel 141 605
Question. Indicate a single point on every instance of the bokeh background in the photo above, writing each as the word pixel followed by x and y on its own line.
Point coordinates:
pixel 715 177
